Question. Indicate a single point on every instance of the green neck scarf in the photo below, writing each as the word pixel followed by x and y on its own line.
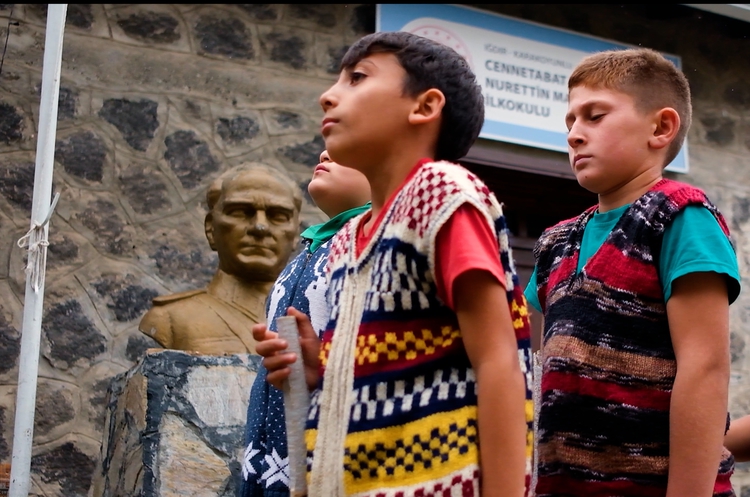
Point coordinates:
pixel 318 234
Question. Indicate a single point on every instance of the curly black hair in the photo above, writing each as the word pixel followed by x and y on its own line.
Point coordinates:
pixel 429 64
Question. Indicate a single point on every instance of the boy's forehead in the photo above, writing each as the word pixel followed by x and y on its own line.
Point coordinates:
pixel 586 94
pixel 376 59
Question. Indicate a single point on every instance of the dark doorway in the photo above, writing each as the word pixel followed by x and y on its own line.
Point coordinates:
pixel 532 203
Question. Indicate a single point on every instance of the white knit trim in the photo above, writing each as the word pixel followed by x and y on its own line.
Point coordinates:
pixel 327 475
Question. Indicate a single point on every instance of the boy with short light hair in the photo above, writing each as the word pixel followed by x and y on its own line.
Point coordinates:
pixel 635 294
pixel 424 384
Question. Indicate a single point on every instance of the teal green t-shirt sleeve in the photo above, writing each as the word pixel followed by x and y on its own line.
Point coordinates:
pixel 694 242
pixel 532 298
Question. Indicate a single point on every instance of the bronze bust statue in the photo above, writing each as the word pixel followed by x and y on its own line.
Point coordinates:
pixel 253 225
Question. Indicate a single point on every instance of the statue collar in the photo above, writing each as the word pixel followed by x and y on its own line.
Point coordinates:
pixel 240 293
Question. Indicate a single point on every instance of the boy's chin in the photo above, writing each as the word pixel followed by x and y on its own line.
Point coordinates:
pixel 318 191
pixel 587 183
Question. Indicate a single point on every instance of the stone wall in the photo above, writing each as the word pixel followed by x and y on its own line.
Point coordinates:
pixel 157 100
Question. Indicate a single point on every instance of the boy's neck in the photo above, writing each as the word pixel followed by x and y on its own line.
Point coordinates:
pixel 331 213
pixel 387 176
pixel 629 192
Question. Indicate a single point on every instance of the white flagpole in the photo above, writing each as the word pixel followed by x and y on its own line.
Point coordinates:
pixel 36 241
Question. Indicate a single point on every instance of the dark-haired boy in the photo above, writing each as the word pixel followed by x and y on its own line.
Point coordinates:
pixel 635 294
pixel 425 361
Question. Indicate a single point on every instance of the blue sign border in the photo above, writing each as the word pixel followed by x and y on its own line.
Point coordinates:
pixel 393 17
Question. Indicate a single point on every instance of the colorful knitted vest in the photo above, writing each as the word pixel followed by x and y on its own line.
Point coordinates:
pixel 608 362
pixel 396 411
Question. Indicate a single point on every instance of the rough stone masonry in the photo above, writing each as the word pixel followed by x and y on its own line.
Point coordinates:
pixel 158 99
pixel 155 102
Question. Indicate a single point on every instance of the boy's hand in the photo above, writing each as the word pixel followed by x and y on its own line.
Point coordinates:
pixel 275 358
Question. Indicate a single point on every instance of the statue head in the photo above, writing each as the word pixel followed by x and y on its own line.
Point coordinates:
pixel 253 221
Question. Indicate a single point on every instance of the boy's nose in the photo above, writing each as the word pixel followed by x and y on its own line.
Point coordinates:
pixel 327 99
pixel 575 137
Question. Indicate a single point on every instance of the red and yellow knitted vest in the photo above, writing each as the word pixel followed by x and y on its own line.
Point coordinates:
pixel 395 414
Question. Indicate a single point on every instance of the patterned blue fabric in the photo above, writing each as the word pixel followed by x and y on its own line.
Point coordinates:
pixel 265 466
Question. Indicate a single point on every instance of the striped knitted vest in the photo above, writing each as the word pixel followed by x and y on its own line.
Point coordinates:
pixel 608 362
pixel 395 414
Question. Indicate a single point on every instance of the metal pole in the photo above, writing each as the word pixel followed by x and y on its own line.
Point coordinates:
pixel 28 365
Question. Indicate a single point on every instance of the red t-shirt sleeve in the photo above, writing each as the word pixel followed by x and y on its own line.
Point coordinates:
pixel 465 242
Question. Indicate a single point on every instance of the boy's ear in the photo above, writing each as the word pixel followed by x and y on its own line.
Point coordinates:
pixel 428 107
pixel 667 124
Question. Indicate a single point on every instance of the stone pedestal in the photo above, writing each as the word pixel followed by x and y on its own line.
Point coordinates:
pixel 175 426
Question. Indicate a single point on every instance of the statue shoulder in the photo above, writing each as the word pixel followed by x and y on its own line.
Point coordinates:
pixel 175 297
pixel 157 321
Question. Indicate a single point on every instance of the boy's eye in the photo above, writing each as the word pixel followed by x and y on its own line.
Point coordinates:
pixel 356 77
pixel 597 117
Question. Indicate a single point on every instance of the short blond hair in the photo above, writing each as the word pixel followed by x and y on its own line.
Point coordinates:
pixel 646 75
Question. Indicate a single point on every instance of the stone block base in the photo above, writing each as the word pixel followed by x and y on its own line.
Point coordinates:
pixel 175 426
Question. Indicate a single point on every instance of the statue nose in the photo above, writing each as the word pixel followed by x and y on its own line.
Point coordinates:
pixel 260 223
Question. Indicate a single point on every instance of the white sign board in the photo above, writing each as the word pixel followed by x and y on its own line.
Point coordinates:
pixel 523 67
